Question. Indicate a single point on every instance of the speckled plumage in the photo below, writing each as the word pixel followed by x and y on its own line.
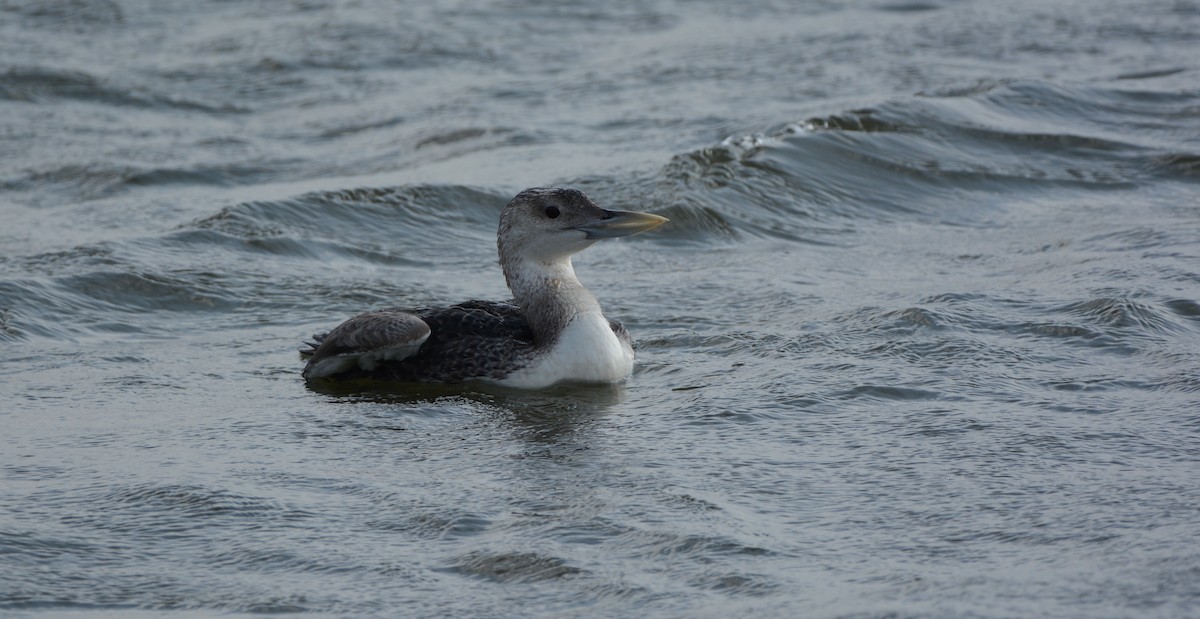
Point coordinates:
pixel 472 340
pixel 553 330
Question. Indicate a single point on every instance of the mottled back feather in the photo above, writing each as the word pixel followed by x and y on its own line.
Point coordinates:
pixel 471 340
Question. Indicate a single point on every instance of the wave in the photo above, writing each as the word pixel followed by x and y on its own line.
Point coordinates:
pixel 99 180
pixel 957 157
pixel 256 256
pixel 40 84
pixel 960 157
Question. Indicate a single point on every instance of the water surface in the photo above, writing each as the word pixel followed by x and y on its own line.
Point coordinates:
pixel 920 339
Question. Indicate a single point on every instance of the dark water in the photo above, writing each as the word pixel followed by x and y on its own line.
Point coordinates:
pixel 921 340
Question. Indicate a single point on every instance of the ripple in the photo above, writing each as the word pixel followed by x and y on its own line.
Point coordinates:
pixel 513 567
pixel 408 215
pixel 887 392
pixel 95 181
pixel 1182 165
pixel 57 13
pixel 1187 308
pixel 191 502
pixel 430 524
pixel 38 84
pixel 661 544
pixel 1122 312
pixel 736 584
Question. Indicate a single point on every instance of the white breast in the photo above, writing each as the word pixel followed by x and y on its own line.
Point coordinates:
pixel 586 351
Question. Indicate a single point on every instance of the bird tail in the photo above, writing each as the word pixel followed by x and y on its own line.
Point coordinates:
pixel 307 350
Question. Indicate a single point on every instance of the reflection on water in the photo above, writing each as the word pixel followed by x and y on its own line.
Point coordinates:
pixel 541 416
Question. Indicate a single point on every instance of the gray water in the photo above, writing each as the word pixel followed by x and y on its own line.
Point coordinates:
pixel 922 338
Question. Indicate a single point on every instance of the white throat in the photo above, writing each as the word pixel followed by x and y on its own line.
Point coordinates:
pixel 577 342
pixel 549 294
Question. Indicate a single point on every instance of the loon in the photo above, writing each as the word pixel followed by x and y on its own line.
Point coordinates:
pixel 552 331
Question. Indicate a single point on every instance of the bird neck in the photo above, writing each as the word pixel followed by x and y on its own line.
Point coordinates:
pixel 549 294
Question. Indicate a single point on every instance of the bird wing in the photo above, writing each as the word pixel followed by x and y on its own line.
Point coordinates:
pixel 364 341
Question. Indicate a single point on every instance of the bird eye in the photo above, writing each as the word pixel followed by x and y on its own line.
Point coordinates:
pixel 552 212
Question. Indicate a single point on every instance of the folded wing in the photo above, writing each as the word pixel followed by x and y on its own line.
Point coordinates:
pixel 365 341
